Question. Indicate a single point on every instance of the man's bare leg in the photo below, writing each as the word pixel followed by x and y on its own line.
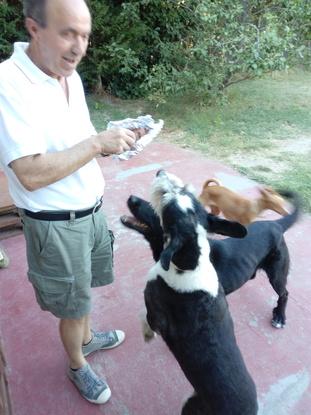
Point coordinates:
pixel 72 332
pixel 87 335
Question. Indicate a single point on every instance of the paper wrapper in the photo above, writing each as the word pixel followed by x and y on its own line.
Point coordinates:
pixel 144 121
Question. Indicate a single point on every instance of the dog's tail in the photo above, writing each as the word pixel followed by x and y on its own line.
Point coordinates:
pixel 287 221
pixel 210 181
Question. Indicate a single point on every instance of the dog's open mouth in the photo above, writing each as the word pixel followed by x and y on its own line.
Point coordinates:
pixel 133 223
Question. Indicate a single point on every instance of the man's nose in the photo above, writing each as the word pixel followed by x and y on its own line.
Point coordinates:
pixel 78 47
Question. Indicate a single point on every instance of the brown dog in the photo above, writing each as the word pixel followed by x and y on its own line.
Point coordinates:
pixel 236 207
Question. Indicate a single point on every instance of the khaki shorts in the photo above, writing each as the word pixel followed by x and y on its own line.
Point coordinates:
pixel 66 259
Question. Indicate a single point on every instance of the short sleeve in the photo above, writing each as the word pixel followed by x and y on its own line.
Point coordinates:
pixel 19 135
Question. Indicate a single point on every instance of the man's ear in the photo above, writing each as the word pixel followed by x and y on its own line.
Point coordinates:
pixel 32 27
pixel 224 227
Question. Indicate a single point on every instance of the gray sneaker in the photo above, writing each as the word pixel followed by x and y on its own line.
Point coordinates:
pixel 4 259
pixel 91 387
pixel 103 341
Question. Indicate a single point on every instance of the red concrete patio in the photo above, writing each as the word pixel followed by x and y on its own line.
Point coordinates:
pixel 144 378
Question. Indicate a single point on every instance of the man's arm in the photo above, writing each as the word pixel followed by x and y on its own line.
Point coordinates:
pixel 40 170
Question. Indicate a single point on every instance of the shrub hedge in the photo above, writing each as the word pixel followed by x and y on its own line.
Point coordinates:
pixel 154 48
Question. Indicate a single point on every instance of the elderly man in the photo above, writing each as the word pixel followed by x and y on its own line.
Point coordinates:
pixel 48 150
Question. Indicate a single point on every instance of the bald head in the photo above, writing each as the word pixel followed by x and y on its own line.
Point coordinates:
pixel 39 10
pixel 73 10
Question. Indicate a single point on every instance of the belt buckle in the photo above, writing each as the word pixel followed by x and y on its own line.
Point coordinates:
pixel 72 216
pixel 98 204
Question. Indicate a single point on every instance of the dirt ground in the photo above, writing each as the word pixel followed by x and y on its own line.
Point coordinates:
pixel 276 160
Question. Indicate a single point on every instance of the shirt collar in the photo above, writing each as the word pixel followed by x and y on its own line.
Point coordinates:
pixel 26 65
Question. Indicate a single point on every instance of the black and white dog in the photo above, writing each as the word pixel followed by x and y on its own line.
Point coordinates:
pixel 187 306
pixel 236 260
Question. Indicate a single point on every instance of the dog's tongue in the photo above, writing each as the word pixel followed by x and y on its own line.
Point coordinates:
pixel 131 222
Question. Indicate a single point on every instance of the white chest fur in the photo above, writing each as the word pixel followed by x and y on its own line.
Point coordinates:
pixel 204 277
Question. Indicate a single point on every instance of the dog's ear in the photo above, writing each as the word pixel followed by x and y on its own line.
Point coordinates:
pixel 266 191
pixel 167 254
pixel 225 227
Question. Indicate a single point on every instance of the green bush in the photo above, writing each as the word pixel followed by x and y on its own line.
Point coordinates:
pixel 156 48
pixel 12 26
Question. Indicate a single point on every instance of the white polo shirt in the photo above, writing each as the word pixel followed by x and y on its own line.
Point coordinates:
pixel 35 117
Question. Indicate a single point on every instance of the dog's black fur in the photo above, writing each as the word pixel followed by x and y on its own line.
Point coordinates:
pixel 189 310
pixel 235 260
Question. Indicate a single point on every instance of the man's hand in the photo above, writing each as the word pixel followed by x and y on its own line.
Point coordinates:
pixel 139 132
pixel 115 140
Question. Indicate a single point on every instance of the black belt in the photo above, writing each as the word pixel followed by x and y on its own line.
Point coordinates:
pixel 63 215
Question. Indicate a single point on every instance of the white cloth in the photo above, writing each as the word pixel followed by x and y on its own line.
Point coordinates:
pixel 35 117
pixel 143 121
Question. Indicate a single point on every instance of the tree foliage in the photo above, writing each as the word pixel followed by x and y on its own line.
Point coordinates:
pixel 11 26
pixel 154 48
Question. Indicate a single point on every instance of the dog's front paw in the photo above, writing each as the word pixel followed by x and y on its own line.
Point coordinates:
pixel 148 333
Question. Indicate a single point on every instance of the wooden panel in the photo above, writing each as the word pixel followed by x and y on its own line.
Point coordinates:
pixel 5 403
pixel 9 221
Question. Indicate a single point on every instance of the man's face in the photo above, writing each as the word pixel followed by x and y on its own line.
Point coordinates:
pixel 60 46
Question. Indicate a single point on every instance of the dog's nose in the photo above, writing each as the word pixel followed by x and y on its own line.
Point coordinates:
pixel 133 200
pixel 160 172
